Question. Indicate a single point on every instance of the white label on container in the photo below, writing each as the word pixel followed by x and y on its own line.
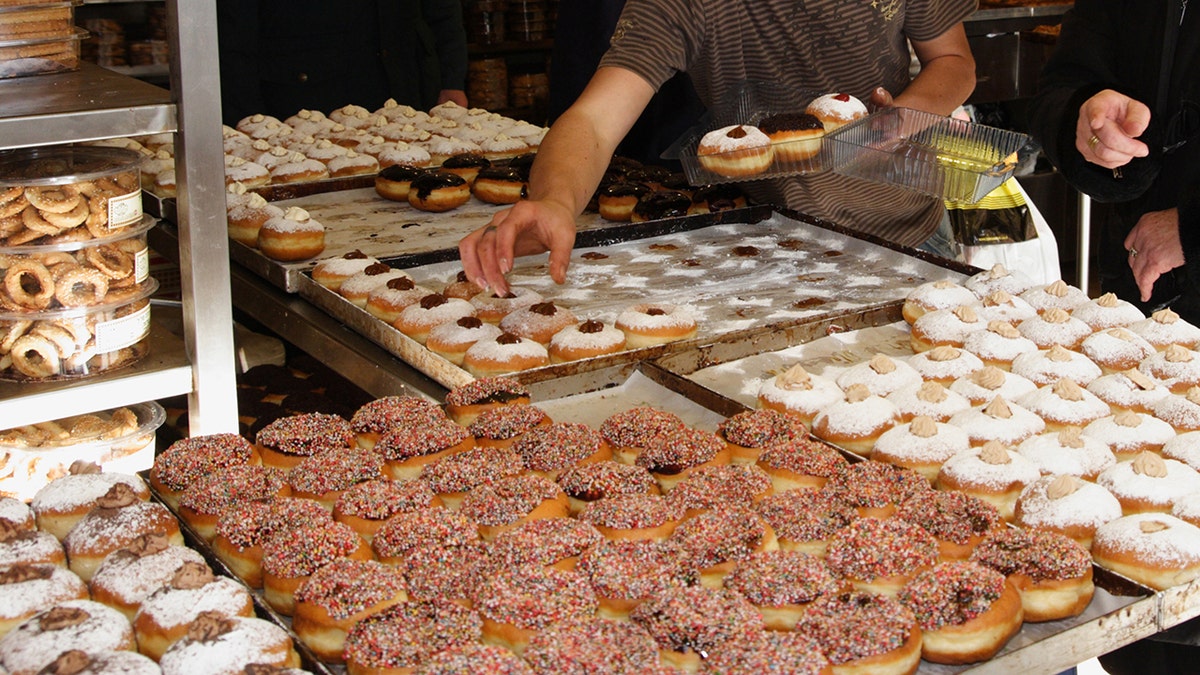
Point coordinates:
pixel 123 331
pixel 141 265
pixel 125 209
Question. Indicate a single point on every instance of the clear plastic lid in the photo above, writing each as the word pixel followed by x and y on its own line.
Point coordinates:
pixel 140 229
pixel 144 290
pixel 63 164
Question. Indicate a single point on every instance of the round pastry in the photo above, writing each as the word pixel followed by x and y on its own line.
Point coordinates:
pixel 782 583
pixel 672 456
pixel 408 531
pixel 243 528
pixel 166 614
pixel 864 633
pixel 394 181
pixel 760 651
pixel 1055 326
pixel 798 393
pixel 985 385
pixel 1116 349
pixel 37 642
pixel 237 170
pixel 1064 404
pixel 934 295
pixel 880 556
pixel 836 110
pixel 367 506
pixel 650 324
pixel 452 476
pixel 720 488
pixel 408 449
pixel 401 637
pixel 64 501
pixel 465 402
pixel 632 516
pixel 298 169
pixel 615 201
pixel 285 442
pixel 538 322
pixel 1129 434
pixel 16 513
pixel 1107 311
pixel 246 218
pixel 206 649
pixel 1055 295
pixel 628 431
pixel 1052 571
pixel 881 375
pixel 1177 367
pixel 1149 483
pixel 921 445
pixel 26 590
pixel 1068 453
pixel 875 489
pixel 513 501
pixel 993 473
pixel 999 344
pixel 1187 508
pixel 491 308
pixel 289 561
pixel 550 542
pixel 339 595
pixel 206 499
pixel 804 520
pixel 474 658
pixel 795 137
pixel 446 571
pixel 129 575
pixel 501 427
pixel 1181 412
pixel 386 302
pixel 358 287
pixel 438 191
pixel 324 477
pixel 583 645
pixel 715 198
pixel 998 277
pixel 945 327
pixel 461 287
pixel 928 399
pixel 1001 306
pixel 748 432
pixel 854 423
pixel 79 662
pixel 623 573
pixel 1164 328
pixel 551 449
pixel 402 153
pixel 715 541
pixel 19 546
pixel 689 621
pixel 375 418
pixel 352 164
pixel 434 309
pixel 585 340
pixel 331 272
pixel 506 353
pixel 499 185
pixel 465 165
pixel 1184 447
pixel 967 612
pixel 292 236
pixel 587 483
pixel 957 521
pixel 1130 390
pixel 516 603
pixel 738 150
pixel 1067 505
pixel 1154 549
pixel 942 364
pixel 1001 421
pixel 117 521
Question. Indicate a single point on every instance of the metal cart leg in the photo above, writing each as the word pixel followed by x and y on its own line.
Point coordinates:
pixel 1085 241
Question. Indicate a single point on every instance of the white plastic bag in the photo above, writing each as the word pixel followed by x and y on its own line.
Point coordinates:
pixel 1036 257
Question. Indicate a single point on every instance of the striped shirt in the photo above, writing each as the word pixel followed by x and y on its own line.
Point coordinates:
pixel 814 46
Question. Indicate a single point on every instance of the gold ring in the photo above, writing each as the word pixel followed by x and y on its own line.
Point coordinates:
pixel 1093 141
pixel 1133 252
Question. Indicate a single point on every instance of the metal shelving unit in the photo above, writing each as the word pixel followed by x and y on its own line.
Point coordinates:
pixel 94 103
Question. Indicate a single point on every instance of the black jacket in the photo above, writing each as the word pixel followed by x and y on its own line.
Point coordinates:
pixel 1118 44
pixel 278 57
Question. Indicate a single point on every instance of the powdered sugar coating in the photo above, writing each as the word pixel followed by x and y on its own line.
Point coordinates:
pixel 991 346
pixel 957 363
pixel 341 267
pixel 44 586
pixel 1089 506
pixel 655 316
pixel 923 399
pixel 1187 508
pixel 985 385
pixel 1164 327
pixel 1052 456
pixel 1184 447
pixel 856 419
pixel 900 444
pixel 420 317
pixel 250 641
pixel 170 607
pixel 982 426
pixel 1056 407
pixel 945 327
pixel 879 383
pixel 1125 438
pixel 805 400
pixel 1046 333
pixel 131 578
pixel 1116 348
pixel 75 491
pixel 29 546
pixel 1178 411
pixel 604 341
pixel 16 512
pixel 1176 546
pixel 998 278
pixel 840 107
pixel 727 139
pixel 1003 306
pixel 1118 391
pixel 1158 493
pixel 940 294
pixel 1055 295
pixel 28 647
pixel 1107 312
pixel 968 469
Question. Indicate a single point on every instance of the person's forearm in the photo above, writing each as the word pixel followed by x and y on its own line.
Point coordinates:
pixel 943 84
pixel 570 163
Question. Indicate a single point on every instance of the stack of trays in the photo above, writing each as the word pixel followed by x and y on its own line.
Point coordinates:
pixel 39 37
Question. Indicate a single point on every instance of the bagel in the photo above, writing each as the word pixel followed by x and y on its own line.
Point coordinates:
pixel 68 219
pixel 111 261
pixel 33 220
pixel 52 199
pixel 29 284
pixel 81 287
pixel 36 356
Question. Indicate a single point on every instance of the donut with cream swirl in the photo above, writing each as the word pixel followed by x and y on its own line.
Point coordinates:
pixel 798 393
pixel 1068 505
pixel 1154 549
pixel 993 473
pixel 999 344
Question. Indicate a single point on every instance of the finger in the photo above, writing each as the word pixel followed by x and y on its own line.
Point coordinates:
pixel 882 98
pixel 559 260
pixel 493 276
pixel 1137 118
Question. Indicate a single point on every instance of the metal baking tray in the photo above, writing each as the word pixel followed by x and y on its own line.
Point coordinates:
pixel 743 273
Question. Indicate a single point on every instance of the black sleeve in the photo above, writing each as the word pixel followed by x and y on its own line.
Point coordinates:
pixel 238 42
pixel 445 20
pixel 1083 64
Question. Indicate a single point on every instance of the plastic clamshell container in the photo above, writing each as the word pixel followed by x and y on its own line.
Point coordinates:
pixel 36 20
pixel 958 161
pixel 68 193
pixel 76 342
pixel 749 104
pixel 119 440
pixel 24 56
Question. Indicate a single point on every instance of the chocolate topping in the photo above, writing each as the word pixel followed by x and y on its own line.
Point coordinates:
pixel 376 269
pixel 209 626
pixel 469 322
pixel 59 618
pixel 432 300
pixel 68 663
pixel 591 326
pixel 426 183
pixel 401 284
pixel 625 189
pixel 508 339
pixel 789 122
pixel 736 132
pixel 399 172
pixel 465 160
pixel 505 174
pixel 355 255
pixel 22 572
pixel 544 308
pixel 656 311
pixel 192 575
pixel 148 544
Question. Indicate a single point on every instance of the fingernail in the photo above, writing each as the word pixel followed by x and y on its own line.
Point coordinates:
pixel 505 266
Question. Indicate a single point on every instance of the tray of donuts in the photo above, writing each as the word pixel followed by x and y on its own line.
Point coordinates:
pixel 99 576
pixel 762 130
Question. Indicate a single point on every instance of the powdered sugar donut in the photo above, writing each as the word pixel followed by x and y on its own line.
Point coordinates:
pixel 538 322
pixel 650 324
pixel 944 364
pixel 855 422
pixel 1003 306
pixel 1129 433
pixel 1054 326
pixel 737 150
pixel 388 301
pixel 1068 505
pixel 1184 447
pixel 1107 311
pixel 999 278
pixel 1128 390
pixel 945 327
pixel 921 445
pixel 881 375
pixel 331 272
pixel 993 473
pixel 928 398
pixel 490 308
pixel 1055 295
pixel 1155 549
pixel 1000 421
pixel 934 295
pixel 1177 367
pixel 1068 453
pixel 836 110
pixel 999 344
pixel 1116 349
pixel 294 236
pixel 1064 404
pixel 585 340
pixel 452 340
pixel 1181 412
pixel 358 287
pixel 798 393
pixel 1149 483
pixel 505 353
pixel 1054 364
pixel 1164 328
pixel 432 310
pixel 986 384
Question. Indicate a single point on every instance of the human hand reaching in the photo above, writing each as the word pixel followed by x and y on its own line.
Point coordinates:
pixel 1154 248
pixel 1107 129
pixel 527 228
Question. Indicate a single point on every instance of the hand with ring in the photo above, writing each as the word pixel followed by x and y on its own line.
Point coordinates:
pixel 1153 248
pixel 1107 129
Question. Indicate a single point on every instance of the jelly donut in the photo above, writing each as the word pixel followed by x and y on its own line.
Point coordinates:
pixel 836 110
pixel 129 575
pixel 166 614
pixel 864 633
pixel 538 321
pixel 26 590
pixel 999 277
pixel 466 165
pixel 782 583
pixel 499 185
pixel 797 392
pixel 388 301
pixel 434 309
pixel 854 423
pixel 804 520
pixel 994 473
pixel 999 344
pixel 1107 311
pixel 518 602
pixel 403 636
pixel 63 502
pixel 652 324
pixel 331 272
pixel 1068 453
pixel 737 150
pixel 503 354
pixel 795 137
pixel 624 572
pixel 928 399
pixel 1067 505
pixel 585 340
pixel 35 644
pixel 491 308
pixel 959 522
pixel 204 650
pixel 438 191
pixel 880 556
pixel 689 621
pixel 1154 549
pixel 1055 295
pixel 615 201
pixel 1149 483
pixel 921 445
pixel 394 182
